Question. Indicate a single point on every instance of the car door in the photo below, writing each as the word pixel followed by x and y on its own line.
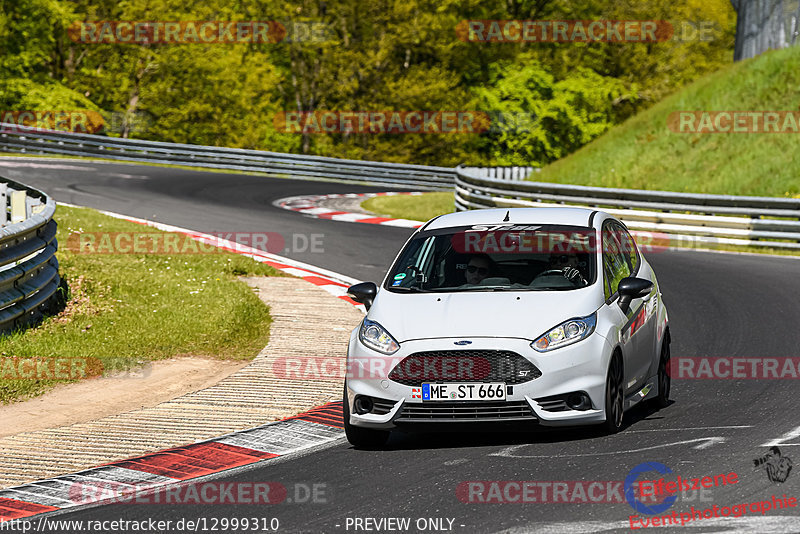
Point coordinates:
pixel 616 266
pixel 642 317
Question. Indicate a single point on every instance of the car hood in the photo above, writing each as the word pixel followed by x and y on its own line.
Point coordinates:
pixel 519 314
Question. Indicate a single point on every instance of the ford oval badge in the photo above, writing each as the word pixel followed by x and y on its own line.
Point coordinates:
pixel 465 342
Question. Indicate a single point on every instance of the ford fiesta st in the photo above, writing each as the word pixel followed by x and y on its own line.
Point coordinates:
pixel 550 316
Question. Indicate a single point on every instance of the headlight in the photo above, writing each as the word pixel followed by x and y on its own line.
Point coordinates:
pixel 566 333
pixel 376 337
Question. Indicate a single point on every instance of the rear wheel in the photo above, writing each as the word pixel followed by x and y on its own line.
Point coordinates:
pixel 362 438
pixel 664 380
pixel 614 396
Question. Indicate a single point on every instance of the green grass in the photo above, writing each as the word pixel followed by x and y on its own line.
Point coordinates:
pixel 643 153
pixel 414 207
pixel 127 309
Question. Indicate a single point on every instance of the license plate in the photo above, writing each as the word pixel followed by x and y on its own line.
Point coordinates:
pixel 464 391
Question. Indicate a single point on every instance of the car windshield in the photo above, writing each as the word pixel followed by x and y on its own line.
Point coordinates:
pixel 529 257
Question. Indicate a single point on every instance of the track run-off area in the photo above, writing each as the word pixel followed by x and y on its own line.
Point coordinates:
pixel 721 305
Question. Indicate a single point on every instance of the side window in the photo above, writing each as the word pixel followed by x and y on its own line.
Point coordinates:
pixel 615 261
pixel 425 261
pixel 415 271
pixel 628 246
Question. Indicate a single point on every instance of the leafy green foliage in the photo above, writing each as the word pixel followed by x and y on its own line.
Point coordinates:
pixel 375 55
pixel 549 118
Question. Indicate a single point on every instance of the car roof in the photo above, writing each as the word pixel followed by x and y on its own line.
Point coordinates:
pixel 572 216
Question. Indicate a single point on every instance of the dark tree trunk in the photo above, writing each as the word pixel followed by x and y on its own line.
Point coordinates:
pixel 765 24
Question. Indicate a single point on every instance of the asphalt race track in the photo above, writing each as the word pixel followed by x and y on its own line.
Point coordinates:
pixel 216 202
pixel 721 305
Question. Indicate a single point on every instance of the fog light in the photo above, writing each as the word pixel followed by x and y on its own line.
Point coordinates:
pixel 363 405
pixel 579 401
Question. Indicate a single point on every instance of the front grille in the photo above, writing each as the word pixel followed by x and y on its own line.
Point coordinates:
pixel 464 366
pixel 466 412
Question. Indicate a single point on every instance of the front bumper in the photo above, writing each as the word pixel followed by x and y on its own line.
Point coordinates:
pixel 580 367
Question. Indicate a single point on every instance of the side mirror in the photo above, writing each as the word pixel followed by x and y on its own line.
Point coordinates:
pixel 632 288
pixel 363 293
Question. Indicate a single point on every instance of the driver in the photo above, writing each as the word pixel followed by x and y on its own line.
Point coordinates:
pixel 478 269
pixel 568 264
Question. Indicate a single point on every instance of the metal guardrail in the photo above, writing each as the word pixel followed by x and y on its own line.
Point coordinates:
pixel 14 138
pixel 679 219
pixel 502 173
pixel 689 219
pixel 29 278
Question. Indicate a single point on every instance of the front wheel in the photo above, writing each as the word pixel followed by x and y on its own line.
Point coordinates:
pixel 664 380
pixel 614 396
pixel 361 438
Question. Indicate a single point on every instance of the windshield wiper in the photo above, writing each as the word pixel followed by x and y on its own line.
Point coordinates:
pixel 410 289
pixel 459 289
pixel 488 288
pixel 552 288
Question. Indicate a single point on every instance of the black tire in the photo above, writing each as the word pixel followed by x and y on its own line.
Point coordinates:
pixel 615 396
pixel 362 438
pixel 664 379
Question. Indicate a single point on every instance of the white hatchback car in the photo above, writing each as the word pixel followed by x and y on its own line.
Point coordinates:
pixel 549 316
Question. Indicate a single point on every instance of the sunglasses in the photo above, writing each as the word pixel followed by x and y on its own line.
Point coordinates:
pixel 472 269
pixel 562 259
